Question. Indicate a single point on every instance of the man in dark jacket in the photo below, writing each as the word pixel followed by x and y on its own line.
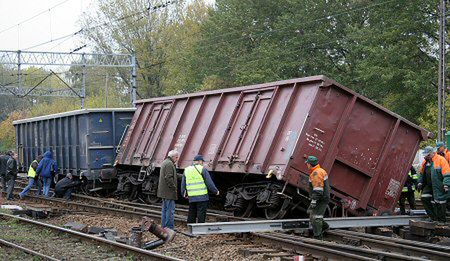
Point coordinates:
pixel 46 169
pixel 11 175
pixel 64 187
pixel 167 189
pixel 3 160
pixel 195 186
pixel 408 191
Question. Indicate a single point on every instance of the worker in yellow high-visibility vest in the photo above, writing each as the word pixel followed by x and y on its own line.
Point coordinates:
pixel 32 177
pixel 195 186
pixel 408 191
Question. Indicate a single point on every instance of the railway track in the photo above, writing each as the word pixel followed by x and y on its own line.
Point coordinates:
pixel 131 209
pixel 26 250
pixel 118 247
pixel 337 246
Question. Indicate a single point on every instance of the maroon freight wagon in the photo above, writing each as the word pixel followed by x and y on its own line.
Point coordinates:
pixel 256 138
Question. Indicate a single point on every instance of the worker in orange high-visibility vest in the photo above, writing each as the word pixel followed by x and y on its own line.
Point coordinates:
pixel 434 183
pixel 443 151
pixel 319 192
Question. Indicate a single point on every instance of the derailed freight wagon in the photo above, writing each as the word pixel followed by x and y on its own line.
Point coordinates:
pixel 82 142
pixel 256 138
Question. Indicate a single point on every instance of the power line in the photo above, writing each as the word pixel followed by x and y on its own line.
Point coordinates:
pixel 216 43
pixel 148 9
pixel 326 17
pixel 34 16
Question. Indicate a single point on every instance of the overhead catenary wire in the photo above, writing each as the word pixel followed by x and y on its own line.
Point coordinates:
pixel 141 12
pixel 32 17
pixel 217 43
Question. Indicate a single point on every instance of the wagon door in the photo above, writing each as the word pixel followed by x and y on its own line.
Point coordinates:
pixel 151 133
pixel 246 126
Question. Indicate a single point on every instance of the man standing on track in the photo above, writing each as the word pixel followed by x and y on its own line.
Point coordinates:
pixel 195 186
pixel 11 175
pixel 408 191
pixel 32 177
pixel 167 189
pixel 3 161
pixel 319 192
pixel 434 182
pixel 46 169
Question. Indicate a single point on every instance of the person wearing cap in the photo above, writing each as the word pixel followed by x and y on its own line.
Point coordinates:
pixel 319 192
pixel 167 189
pixel 434 182
pixel 64 187
pixel 195 185
pixel 408 191
pixel 443 151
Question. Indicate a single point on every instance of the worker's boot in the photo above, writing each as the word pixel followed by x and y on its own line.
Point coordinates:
pixel 429 208
pixel 317 228
pixel 440 213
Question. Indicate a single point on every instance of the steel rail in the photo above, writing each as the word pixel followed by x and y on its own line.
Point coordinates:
pixel 123 247
pixel 403 242
pixel 369 253
pixel 99 209
pixel 315 248
pixel 27 250
pixel 152 208
pixel 390 246
pixel 289 224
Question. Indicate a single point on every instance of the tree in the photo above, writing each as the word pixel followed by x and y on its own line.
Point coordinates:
pixel 135 27
pixel 384 50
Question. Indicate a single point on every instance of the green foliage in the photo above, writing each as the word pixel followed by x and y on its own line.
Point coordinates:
pixel 384 50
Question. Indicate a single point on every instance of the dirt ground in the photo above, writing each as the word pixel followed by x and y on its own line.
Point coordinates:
pixel 61 246
pixel 214 247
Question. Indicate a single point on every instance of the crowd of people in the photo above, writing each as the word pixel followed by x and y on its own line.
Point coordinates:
pixel 41 173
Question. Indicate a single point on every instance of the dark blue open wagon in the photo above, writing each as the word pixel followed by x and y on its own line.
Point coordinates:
pixel 82 141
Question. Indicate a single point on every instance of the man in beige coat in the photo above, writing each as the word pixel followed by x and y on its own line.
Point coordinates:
pixel 167 188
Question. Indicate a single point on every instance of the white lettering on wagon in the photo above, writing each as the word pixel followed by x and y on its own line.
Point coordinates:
pixel 314 141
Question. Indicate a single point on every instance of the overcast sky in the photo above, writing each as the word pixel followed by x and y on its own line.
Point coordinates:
pixel 51 24
pixel 54 19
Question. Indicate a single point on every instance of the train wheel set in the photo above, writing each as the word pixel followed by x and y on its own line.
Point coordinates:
pixel 255 140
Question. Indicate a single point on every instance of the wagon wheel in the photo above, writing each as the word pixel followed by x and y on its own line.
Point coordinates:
pixel 277 212
pixel 246 211
pixel 152 199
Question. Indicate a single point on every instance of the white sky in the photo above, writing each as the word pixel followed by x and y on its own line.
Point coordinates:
pixel 57 22
pixel 54 23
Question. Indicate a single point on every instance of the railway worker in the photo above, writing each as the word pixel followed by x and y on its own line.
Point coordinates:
pixel 11 175
pixel 408 191
pixel 167 189
pixel 434 182
pixel 46 170
pixel 319 192
pixel 32 177
pixel 65 186
pixel 3 160
pixel 443 151
pixel 195 185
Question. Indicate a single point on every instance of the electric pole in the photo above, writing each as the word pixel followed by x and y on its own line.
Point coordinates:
pixel 442 71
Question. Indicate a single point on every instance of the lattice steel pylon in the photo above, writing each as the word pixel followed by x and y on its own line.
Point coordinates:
pixel 83 60
pixel 442 90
